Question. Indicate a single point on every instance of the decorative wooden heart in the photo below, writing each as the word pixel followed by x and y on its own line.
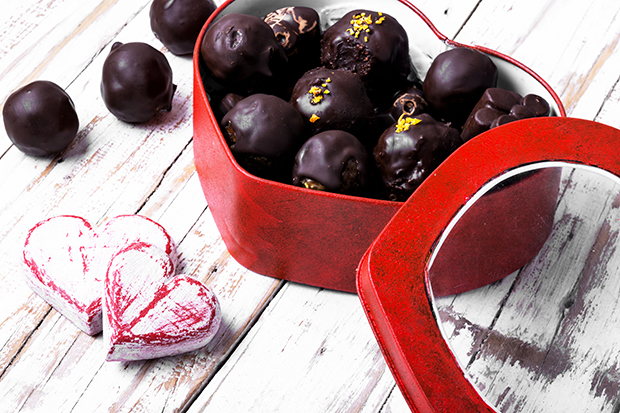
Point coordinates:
pixel 148 313
pixel 394 282
pixel 66 261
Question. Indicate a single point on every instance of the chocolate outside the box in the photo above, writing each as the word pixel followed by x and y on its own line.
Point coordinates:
pixel 40 118
pixel 455 81
pixel 333 161
pixel 136 82
pixel 177 23
pixel 499 106
pixel 406 155
pixel 241 51
pixel 372 44
pixel 263 132
pixel 331 99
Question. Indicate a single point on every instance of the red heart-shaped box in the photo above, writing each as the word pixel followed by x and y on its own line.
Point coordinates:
pixel 313 237
pixel 394 282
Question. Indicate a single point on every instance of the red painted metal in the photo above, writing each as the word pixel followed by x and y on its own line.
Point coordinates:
pixel 283 231
pixel 393 280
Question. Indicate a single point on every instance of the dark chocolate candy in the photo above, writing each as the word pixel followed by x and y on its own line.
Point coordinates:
pixel 136 82
pixel 455 82
pixel 241 51
pixel 177 23
pixel 408 151
pixel 298 29
pixel 499 106
pixel 411 103
pixel 263 133
pixel 40 118
pixel 228 102
pixel 373 45
pixel 333 99
pixel 333 161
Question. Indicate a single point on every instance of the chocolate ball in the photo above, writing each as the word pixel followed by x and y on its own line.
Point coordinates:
pixel 263 133
pixel 410 103
pixel 40 118
pixel 333 99
pixel 136 82
pixel 455 82
pixel 333 161
pixel 298 29
pixel 373 45
pixel 177 23
pixel 241 51
pixel 410 150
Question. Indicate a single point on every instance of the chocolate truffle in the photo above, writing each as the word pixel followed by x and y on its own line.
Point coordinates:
pixel 40 118
pixel 333 99
pixel 228 102
pixel 409 150
pixel 177 23
pixel 499 106
pixel 455 82
pixel 333 161
pixel 373 45
pixel 241 51
pixel 411 102
pixel 136 82
pixel 298 29
pixel 263 133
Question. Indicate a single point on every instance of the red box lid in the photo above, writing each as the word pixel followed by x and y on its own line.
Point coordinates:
pixel 394 282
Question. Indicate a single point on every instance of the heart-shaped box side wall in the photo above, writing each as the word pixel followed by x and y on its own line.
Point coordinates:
pixel 393 281
pixel 297 234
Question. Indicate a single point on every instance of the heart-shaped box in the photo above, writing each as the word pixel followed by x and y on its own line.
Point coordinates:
pixel 314 237
pixel 394 282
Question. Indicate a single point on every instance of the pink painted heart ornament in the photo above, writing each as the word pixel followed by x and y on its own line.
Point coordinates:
pixel 149 312
pixel 66 260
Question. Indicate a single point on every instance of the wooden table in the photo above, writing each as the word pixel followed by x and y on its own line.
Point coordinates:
pixel 285 347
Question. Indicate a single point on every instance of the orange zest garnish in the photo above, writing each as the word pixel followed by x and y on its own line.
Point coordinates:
pixel 404 123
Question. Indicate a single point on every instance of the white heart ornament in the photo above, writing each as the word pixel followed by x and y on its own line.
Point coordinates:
pixel 149 313
pixel 66 261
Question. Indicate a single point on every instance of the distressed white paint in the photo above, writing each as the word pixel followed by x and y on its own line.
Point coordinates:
pixel 302 348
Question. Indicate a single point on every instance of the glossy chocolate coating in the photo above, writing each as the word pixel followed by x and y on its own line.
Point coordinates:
pixel 333 161
pixel 411 103
pixel 40 118
pixel 136 82
pixel 373 45
pixel 263 132
pixel 228 102
pixel 455 82
pixel 241 51
pixel 177 23
pixel 406 157
pixel 333 99
pixel 298 29
pixel 499 106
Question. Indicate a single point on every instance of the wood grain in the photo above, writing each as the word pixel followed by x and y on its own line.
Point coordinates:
pixel 287 347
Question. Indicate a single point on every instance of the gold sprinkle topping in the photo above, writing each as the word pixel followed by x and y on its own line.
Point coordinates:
pixel 404 123
pixel 314 118
pixel 318 92
pixel 360 23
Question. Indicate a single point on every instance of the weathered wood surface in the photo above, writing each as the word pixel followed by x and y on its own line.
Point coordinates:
pixel 286 347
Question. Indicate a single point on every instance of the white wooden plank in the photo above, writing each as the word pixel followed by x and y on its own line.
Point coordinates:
pixel 578 56
pixel 111 169
pixel 309 346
